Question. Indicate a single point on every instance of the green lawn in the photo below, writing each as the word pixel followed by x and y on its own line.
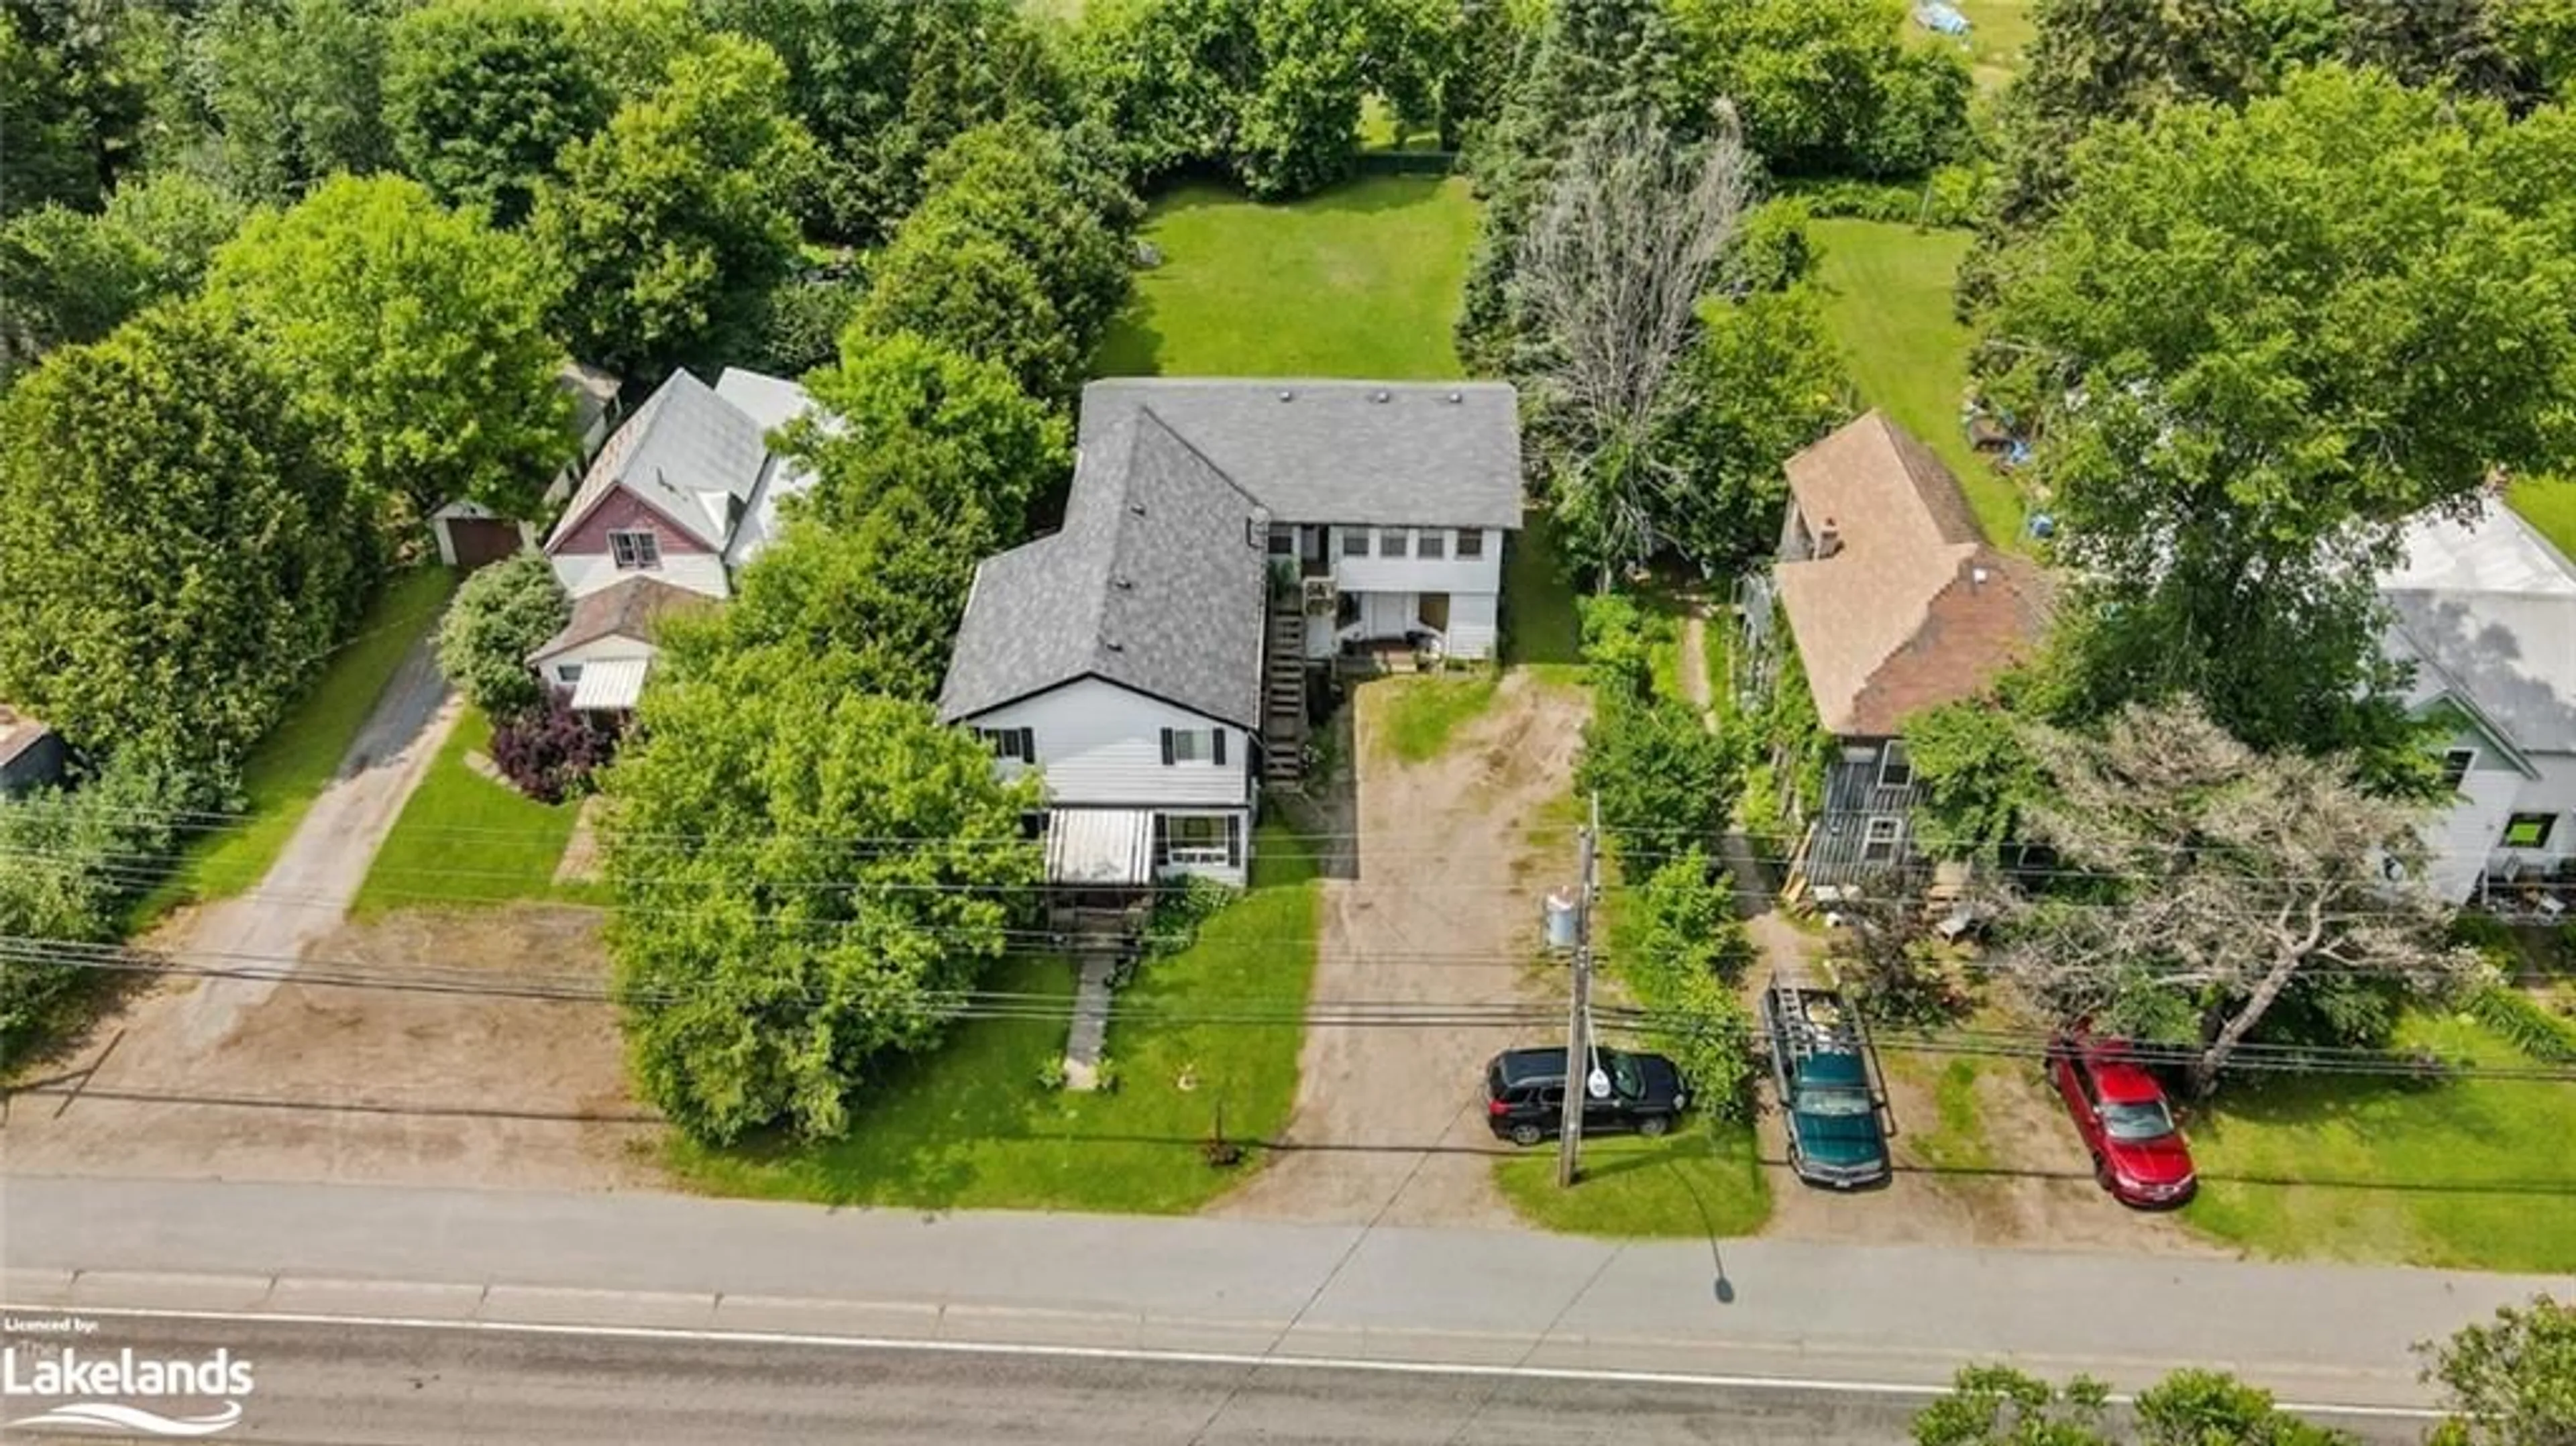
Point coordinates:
pixel 1704 1179
pixel 1539 622
pixel 1364 280
pixel 2474 1174
pixel 466 840
pixel 2549 505
pixel 1890 306
pixel 1421 713
pixel 298 757
pixel 1999 30
pixel 969 1126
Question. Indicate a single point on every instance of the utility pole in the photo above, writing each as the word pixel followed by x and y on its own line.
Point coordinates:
pixel 1578 1044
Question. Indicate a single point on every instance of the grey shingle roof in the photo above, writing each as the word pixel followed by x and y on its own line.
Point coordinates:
pixel 1422 454
pixel 693 455
pixel 2491 606
pixel 1157 583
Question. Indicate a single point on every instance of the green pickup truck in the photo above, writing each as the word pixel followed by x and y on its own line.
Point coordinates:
pixel 1820 1066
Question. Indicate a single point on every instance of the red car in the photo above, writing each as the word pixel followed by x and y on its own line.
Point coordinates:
pixel 2138 1152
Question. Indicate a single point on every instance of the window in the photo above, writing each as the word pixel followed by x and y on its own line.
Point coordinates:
pixel 635 550
pixel 1878 841
pixel 1431 544
pixel 1020 745
pixel 1354 542
pixel 1203 838
pixel 1471 543
pixel 2455 767
pixel 1194 745
pixel 567 673
pixel 1391 541
pixel 1283 540
pixel 1895 770
pixel 2528 830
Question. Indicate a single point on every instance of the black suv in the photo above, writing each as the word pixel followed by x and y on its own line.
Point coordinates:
pixel 1525 1094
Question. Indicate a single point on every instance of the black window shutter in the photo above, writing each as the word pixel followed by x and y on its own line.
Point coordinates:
pixel 1234 840
pixel 1167 758
pixel 1028 745
pixel 1218 747
pixel 1162 836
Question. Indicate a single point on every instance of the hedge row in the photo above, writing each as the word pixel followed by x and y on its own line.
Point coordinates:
pixel 2531 1026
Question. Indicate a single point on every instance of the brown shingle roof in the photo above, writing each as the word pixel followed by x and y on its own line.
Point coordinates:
pixel 1915 609
pixel 625 609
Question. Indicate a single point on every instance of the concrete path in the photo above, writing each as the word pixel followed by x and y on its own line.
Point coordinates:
pixel 307 892
pixel 1090 1032
pixel 1898 1316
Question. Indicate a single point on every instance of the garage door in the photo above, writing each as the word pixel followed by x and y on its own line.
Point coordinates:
pixel 478 540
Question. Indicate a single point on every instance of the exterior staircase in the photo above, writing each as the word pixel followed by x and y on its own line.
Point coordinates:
pixel 1283 695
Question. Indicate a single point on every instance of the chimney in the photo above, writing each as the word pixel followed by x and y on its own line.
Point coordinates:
pixel 1829 539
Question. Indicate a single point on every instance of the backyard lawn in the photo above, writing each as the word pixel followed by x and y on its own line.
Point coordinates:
pixel 1890 306
pixel 1539 622
pixel 298 757
pixel 466 840
pixel 1364 280
pixel 969 1126
pixel 2550 506
pixel 2474 1174
pixel 1422 712
pixel 1999 30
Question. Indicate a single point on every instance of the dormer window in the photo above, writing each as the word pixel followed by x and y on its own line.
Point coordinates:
pixel 633 551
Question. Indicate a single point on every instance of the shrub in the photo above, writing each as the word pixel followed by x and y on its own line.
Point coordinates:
pixel 2520 1018
pixel 802 322
pixel 1179 909
pixel 1888 961
pixel 550 752
pixel 71 862
pixel 1682 952
pixel 501 614
pixel 1660 773
pixel 1951 197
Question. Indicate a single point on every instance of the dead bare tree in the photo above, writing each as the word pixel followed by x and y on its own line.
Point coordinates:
pixel 1609 278
pixel 2210 877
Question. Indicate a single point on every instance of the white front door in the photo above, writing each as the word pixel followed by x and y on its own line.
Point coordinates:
pixel 1387 614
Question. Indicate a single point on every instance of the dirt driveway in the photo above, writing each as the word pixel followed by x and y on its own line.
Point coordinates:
pixel 434 1084
pixel 1445 902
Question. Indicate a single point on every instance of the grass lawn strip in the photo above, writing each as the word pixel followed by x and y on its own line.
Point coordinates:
pixel 291 765
pixel 2472 1174
pixel 1364 280
pixel 1702 1180
pixel 464 840
pixel 1889 305
pixel 2550 506
pixel 1423 713
pixel 1540 628
pixel 969 1127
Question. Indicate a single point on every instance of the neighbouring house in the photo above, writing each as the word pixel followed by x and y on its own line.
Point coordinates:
pixel 31 754
pixel 1895 603
pixel 1150 660
pixel 470 535
pixel 601 656
pixel 685 492
pixel 2484 608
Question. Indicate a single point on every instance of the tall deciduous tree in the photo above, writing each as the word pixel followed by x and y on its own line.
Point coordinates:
pixel 668 227
pixel 175 558
pixel 2510 1381
pixel 2223 881
pixel 1610 277
pixel 1299 130
pixel 483 95
pixel 752 997
pixel 2286 328
pixel 1767 380
pixel 72 101
pixel 913 417
pixel 72 276
pixel 414 335
pixel 1828 86
pixel 297 91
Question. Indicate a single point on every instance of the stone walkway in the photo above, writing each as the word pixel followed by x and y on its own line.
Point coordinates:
pixel 1082 1048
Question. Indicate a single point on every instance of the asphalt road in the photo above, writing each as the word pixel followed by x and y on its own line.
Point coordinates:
pixel 356 1385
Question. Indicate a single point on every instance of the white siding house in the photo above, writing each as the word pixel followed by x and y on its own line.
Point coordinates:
pixel 1389 582
pixel 2485 611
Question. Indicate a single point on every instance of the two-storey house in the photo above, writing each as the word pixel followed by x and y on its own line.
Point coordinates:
pixel 2484 609
pixel 684 492
pixel 1895 604
pixel 1128 657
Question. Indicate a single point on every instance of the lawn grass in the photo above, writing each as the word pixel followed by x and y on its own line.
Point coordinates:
pixel 1889 304
pixel 1957 1137
pixel 1421 713
pixel 2548 504
pixel 466 840
pixel 1999 31
pixel 969 1127
pixel 291 765
pixel 1364 280
pixel 1702 1180
pixel 2473 1174
pixel 1539 623
pixel 1716 641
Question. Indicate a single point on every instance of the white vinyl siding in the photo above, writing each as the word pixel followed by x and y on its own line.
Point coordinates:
pixel 597 650
pixel 585 573
pixel 1100 744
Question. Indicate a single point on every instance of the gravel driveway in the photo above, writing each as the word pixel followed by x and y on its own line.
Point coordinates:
pixel 1445 902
